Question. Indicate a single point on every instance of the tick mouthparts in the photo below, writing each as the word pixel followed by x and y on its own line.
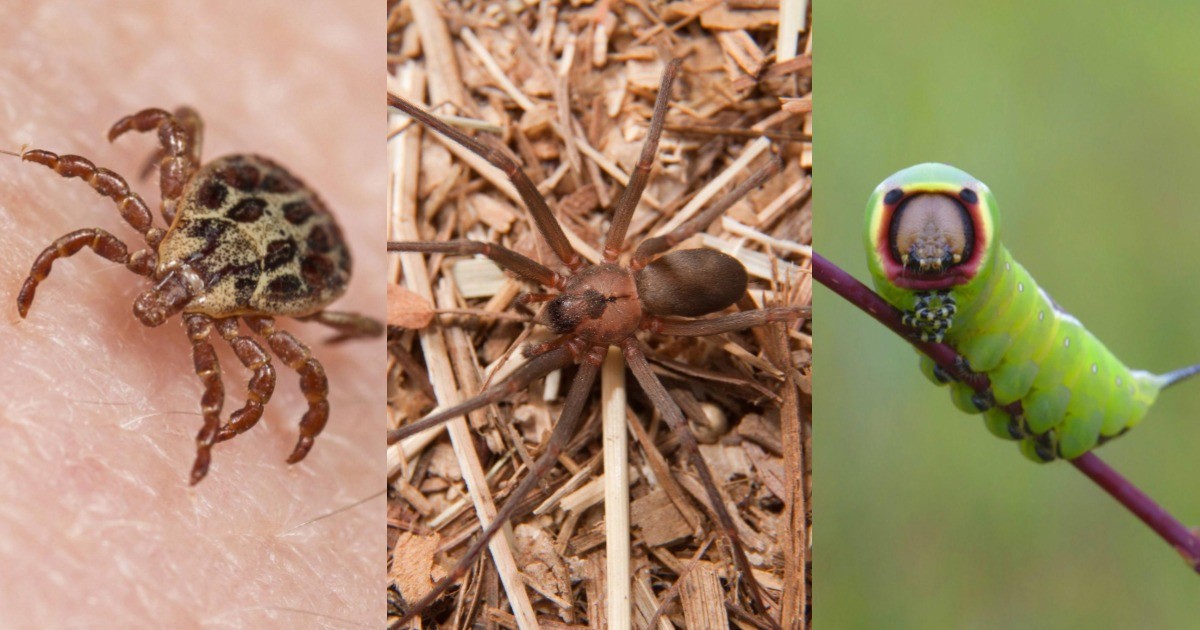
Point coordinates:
pixel 155 305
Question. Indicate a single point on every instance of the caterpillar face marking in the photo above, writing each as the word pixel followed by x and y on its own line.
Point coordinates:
pixel 930 232
pixel 933 251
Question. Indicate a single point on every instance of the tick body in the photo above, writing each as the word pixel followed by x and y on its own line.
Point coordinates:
pixel 245 241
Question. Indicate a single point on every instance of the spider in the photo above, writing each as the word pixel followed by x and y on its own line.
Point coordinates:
pixel 597 306
pixel 245 240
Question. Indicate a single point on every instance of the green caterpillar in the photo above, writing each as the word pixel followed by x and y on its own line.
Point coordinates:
pixel 934 253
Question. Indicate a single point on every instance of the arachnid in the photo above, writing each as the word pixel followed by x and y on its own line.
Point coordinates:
pixel 245 240
pixel 593 306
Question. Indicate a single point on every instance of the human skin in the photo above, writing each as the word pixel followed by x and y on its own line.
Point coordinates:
pixel 98 525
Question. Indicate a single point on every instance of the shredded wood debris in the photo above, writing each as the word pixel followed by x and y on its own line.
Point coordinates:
pixel 567 89
pixel 406 309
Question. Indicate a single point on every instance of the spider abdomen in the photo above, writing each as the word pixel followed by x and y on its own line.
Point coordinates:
pixel 260 241
pixel 691 282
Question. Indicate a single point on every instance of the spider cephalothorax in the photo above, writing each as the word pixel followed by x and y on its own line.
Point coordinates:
pixel 245 239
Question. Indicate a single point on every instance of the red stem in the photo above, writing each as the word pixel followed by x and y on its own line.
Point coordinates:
pixel 1119 488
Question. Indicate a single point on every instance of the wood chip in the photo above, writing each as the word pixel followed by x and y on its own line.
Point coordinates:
pixel 658 521
pixel 717 16
pixel 478 277
pixel 496 214
pixel 413 571
pixel 703 600
pixel 407 309
pixel 742 50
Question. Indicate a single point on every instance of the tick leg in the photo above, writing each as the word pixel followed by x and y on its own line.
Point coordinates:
pixel 538 208
pixel 568 425
pixel 107 183
pixel 651 247
pixel 520 379
pixel 632 193
pixel 312 381
pixel 195 130
pixel 262 383
pixel 103 243
pixel 722 323
pixel 674 417
pixel 204 357
pixel 527 268
pixel 179 137
pixel 348 325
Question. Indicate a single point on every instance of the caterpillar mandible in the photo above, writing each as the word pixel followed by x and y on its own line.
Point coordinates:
pixel 934 253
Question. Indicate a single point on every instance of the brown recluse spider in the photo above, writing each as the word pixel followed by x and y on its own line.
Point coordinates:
pixel 597 306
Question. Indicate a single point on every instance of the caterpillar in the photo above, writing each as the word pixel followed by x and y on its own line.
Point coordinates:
pixel 934 253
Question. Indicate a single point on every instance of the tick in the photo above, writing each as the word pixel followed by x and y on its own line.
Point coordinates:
pixel 245 240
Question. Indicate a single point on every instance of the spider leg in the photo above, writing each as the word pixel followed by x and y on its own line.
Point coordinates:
pixel 628 201
pixel 261 385
pixel 204 357
pixel 103 243
pixel 347 325
pixel 312 381
pixel 527 268
pixel 179 136
pixel 538 208
pixel 536 368
pixel 651 247
pixel 107 183
pixel 671 413
pixel 536 349
pixel 568 425
pixel 722 323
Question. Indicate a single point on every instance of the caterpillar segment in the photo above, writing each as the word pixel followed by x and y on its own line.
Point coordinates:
pixel 933 252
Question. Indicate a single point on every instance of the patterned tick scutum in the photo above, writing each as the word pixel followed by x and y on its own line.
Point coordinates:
pixel 246 240
pixel 259 240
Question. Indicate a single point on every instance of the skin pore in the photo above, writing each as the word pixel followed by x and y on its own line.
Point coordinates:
pixel 99 413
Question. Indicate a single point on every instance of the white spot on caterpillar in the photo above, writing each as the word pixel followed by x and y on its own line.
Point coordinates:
pixel 1066 342
pixel 1020 287
pixel 1094 368
pixel 1041 315
pixel 1118 381
pixel 1007 267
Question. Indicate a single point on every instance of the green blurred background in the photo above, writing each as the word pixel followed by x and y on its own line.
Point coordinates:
pixel 1084 119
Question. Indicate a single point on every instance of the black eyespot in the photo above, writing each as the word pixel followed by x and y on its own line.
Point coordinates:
pixel 893 196
pixel 968 196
